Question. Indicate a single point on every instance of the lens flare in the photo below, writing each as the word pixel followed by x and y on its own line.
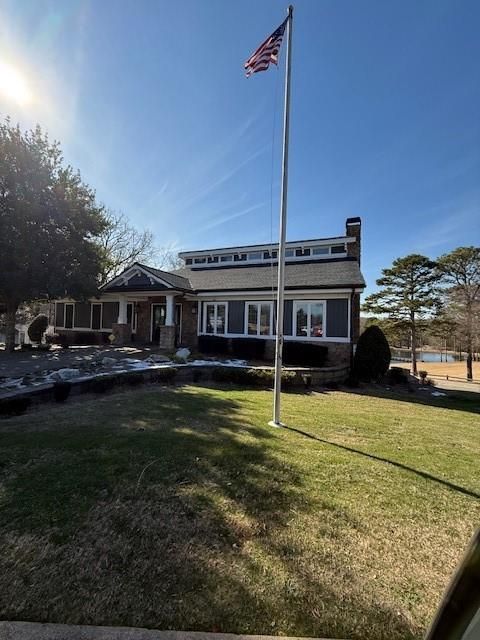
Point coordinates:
pixel 13 85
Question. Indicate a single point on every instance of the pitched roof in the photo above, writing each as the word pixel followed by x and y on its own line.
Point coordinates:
pixel 175 279
pixel 318 274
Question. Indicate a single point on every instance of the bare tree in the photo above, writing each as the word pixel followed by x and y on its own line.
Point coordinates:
pixel 122 244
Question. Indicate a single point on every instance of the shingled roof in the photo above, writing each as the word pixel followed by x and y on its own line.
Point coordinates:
pixel 318 274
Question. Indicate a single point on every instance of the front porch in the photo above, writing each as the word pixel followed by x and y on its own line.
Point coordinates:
pixel 166 321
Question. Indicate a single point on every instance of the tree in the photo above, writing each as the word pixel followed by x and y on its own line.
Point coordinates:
pixel 460 272
pixel 408 291
pixel 49 221
pixel 372 356
pixel 122 244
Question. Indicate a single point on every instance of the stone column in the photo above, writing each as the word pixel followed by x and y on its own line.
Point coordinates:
pixel 169 316
pixel 121 329
pixel 122 310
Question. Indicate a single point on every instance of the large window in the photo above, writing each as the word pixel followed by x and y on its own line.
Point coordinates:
pixel 309 319
pixel 259 318
pixel 214 317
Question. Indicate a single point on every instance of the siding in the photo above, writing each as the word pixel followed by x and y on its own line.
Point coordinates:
pixel 138 280
pixel 236 316
pixel 337 318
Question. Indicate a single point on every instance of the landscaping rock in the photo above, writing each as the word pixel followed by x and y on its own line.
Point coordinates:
pixel 156 357
pixel 65 374
pixel 106 362
pixel 183 354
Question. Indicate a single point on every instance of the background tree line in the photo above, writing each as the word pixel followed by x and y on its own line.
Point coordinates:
pixel 438 301
pixel 56 239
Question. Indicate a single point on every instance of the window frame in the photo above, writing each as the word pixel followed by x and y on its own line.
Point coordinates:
pixel 308 303
pixel 258 305
pixel 215 304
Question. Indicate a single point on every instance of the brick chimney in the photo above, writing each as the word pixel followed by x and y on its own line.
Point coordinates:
pixel 353 228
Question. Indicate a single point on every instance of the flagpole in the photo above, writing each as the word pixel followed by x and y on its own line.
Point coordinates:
pixel 283 228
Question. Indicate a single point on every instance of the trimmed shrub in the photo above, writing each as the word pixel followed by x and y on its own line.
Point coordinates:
pixel 37 327
pixel 302 354
pixel 250 377
pixel 423 376
pixel 61 391
pixel 213 344
pixel 14 406
pixel 372 357
pixel 249 348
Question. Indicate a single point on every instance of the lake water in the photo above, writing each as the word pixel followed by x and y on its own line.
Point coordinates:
pixel 423 356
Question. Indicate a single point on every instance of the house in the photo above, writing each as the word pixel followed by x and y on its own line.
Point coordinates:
pixel 230 292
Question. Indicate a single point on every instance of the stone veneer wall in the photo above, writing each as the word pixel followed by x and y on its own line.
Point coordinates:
pixel 189 324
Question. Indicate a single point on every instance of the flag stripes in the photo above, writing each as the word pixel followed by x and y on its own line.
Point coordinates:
pixel 266 53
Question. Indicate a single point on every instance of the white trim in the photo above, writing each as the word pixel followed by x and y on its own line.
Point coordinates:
pixel 289 294
pixel 133 270
pixel 308 303
pixel 224 303
pixel 292 244
pixel 258 304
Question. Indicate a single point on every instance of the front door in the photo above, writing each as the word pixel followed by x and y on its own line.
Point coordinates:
pixel 159 314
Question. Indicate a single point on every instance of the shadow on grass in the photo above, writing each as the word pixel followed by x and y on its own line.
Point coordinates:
pixel 458 400
pixel 201 540
pixel 399 465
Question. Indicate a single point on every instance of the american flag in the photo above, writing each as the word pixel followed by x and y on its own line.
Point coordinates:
pixel 267 52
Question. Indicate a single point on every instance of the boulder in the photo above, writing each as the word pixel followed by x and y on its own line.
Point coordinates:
pixel 183 354
pixel 106 362
pixel 156 357
pixel 65 374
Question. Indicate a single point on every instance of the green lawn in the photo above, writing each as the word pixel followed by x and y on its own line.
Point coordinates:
pixel 181 509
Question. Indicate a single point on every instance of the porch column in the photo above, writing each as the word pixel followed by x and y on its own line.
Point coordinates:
pixel 169 322
pixel 122 310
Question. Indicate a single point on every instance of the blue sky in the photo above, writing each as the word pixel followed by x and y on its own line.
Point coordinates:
pixel 149 101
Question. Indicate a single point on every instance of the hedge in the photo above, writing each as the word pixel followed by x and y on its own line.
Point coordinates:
pixel 249 348
pixel 250 377
pixel 213 345
pixel 304 354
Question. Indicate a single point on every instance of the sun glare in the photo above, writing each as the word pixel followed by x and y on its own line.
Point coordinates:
pixel 13 85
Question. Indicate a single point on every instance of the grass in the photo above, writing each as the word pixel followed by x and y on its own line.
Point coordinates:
pixel 458 369
pixel 180 509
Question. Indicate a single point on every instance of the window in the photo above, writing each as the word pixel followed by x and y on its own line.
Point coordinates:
pixel 239 257
pixel 212 259
pixel 269 255
pixel 259 319
pixel 302 252
pixel 214 320
pixel 69 316
pixel 189 261
pixel 256 255
pixel 199 260
pixel 131 315
pixel 289 253
pixel 309 319
pixel 226 258
pixel 96 315
pixel 338 248
pixel 320 251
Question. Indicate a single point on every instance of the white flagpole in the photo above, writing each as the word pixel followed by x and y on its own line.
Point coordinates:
pixel 283 227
